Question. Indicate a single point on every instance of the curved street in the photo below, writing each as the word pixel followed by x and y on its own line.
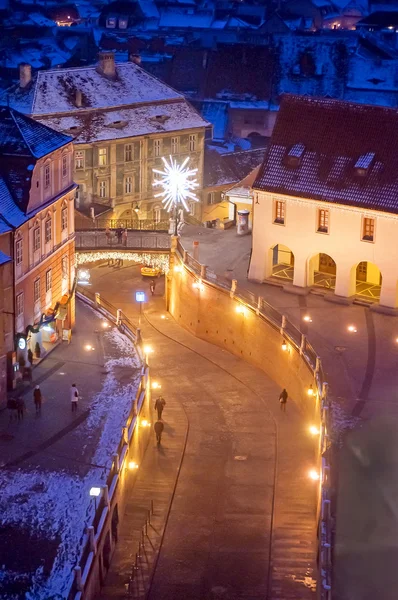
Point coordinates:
pixel 217 537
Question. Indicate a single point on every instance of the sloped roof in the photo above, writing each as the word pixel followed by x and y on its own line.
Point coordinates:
pixel 10 214
pixel 4 258
pixel 55 91
pixel 21 136
pixel 230 168
pixel 335 134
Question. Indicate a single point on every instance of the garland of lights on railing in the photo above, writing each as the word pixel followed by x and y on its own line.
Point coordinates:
pixel 159 261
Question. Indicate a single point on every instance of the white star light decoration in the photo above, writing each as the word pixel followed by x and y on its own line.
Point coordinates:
pixel 177 183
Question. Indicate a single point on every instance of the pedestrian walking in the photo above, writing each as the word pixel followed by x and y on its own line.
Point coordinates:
pixel 20 407
pixel 37 398
pixel 152 286
pixel 158 430
pixel 108 235
pixel 283 399
pixel 159 406
pixel 74 397
pixel 119 234
pixel 124 237
pixel 12 408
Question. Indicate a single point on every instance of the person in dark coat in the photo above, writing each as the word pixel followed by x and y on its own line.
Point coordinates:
pixel 20 408
pixel 152 287
pixel 159 406
pixel 158 430
pixel 37 399
pixel 283 399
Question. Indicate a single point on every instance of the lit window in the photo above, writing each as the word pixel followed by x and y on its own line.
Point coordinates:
pixel 174 145
pixel 48 280
pixel 192 208
pixel 64 218
pixel 36 239
pixel 18 252
pixel 157 213
pixel 128 186
pixel 47 177
pixel 111 22
pixel 19 303
pixel 157 147
pixel 192 142
pixel 79 159
pixel 323 220
pixel 36 290
pixel 48 234
pixel 64 165
pixel 368 229
pixel 128 152
pixel 102 189
pixel 102 157
pixel 279 216
pixel 210 198
pixel 65 267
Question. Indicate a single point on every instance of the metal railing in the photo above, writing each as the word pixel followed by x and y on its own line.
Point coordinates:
pixel 131 224
pixel 134 240
pixel 93 534
pixel 289 332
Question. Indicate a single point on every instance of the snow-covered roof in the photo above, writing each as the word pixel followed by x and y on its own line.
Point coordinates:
pixel 128 122
pixel 180 19
pixel 11 215
pixel 4 258
pixel 22 136
pixel 230 168
pixel 54 91
pixel 347 157
pixel 148 8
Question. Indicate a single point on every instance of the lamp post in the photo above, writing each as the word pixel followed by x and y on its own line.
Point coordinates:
pixel 140 298
pixel 178 184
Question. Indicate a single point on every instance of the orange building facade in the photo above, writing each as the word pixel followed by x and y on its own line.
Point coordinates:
pixel 37 203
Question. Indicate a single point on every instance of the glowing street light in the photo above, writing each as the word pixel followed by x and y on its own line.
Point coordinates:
pixel 177 269
pixel 310 390
pixel 352 329
pixel 148 350
pixel 307 319
pixel 94 493
pixel 133 465
pixel 240 309
pixel 314 475
pixel 314 430
pixel 284 346
pixel 156 385
pixel 145 423
pixel 89 347
pixel 177 183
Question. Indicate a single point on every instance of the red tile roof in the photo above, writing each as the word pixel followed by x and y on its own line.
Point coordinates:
pixel 349 158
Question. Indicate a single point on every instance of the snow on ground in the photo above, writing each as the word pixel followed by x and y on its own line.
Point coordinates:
pixel 52 508
pixel 341 421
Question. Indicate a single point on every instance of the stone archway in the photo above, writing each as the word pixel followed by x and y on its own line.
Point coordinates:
pixel 282 262
pixel 322 271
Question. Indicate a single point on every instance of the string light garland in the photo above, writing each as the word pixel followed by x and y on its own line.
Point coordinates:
pixel 159 261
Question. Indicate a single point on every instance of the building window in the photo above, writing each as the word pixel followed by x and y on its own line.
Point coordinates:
pixel 19 306
pixel 174 145
pixel 210 198
pixel 111 22
pixel 36 239
pixel 157 147
pixel 323 220
pixel 48 234
pixel 279 215
pixel 157 214
pixel 48 280
pixel 102 157
pixel 128 185
pixel 192 208
pixel 36 290
pixel 64 165
pixel 102 189
pixel 368 229
pixel 64 265
pixel 18 252
pixel 192 142
pixel 79 159
pixel 64 218
pixel 47 177
pixel 128 153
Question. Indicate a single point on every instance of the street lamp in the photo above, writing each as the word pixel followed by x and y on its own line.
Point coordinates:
pixel 177 183
pixel 140 298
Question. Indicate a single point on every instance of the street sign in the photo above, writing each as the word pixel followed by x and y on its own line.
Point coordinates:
pixel 140 296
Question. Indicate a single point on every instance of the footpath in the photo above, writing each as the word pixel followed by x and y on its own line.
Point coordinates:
pixel 224 426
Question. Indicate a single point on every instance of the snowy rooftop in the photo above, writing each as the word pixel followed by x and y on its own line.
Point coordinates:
pixel 4 258
pixel 340 139
pixel 128 122
pixel 230 168
pixel 54 91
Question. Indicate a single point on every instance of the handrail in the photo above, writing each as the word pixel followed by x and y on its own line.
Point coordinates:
pixel 92 534
pixel 299 342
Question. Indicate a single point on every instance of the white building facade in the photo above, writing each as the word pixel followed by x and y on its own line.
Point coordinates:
pixel 325 211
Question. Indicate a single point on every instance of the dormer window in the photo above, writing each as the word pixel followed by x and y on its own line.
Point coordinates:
pixel 364 163
pixel 47 177
pixel 295 155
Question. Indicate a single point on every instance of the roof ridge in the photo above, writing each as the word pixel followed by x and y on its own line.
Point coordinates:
pixel 12 111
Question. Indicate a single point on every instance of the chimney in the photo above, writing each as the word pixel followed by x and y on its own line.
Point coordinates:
pixel 135 58
pixel 106 64
pixel 25 75
pixel 78 99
